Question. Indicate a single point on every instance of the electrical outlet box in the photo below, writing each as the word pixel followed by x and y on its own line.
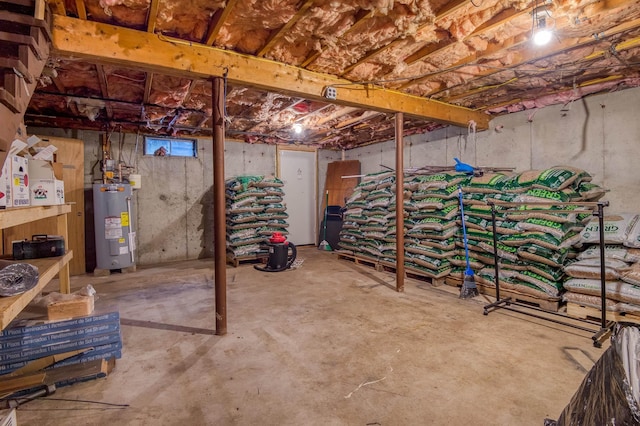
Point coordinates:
pixel 331 93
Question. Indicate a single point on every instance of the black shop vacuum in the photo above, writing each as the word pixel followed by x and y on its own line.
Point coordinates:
pixel 282 253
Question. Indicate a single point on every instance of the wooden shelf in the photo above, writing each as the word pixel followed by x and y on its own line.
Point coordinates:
pixel 10 307
pixel 17 216
pixel 48 267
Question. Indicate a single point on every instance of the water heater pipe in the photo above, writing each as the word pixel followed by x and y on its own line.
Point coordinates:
pixel 130 229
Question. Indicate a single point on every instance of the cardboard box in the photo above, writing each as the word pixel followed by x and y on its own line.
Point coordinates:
pixel 17 181
pixel 46 192
pixel 4 184
pixel 46 187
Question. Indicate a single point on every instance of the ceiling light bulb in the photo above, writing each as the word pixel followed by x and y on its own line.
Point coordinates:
pixel 542 37
pixel 297 128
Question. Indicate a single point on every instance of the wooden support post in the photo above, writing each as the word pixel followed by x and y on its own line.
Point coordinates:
pixel 399 202
pixel 219 215
pixel 63 275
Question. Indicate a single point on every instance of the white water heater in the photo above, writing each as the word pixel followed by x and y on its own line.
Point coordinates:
pixel 113 217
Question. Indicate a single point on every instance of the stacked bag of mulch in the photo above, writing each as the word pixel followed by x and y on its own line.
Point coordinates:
pixel 533 242
pixel 368 227
pixel 255 210
pixel 622 270
pixel 432 207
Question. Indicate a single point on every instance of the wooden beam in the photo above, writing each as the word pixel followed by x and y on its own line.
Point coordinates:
pixel 624 45
pixel 218 21
pixel 147 88
pixel 59 86
pixel 152 16
pixel 450 7
pixel 360 17
pixel 81 9
pixel 277 34
pixel 336 114
pixel 500 19
pixel 371 54
pixel 57 7
pixel 429 49
pixel 104 89
pixel 141 50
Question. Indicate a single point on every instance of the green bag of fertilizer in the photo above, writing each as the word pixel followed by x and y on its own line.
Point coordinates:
pixel 590 192
pixel 503 251
pixel 560 177
pixel 558 230
pixel 540 195
pixel 546 271
pixel 488 182
pixel 268 182
pixel 539 238
pixel 536 253
pixel 427 251
pixel 379 193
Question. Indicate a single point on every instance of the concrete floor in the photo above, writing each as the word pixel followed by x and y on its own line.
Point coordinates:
pixel 329 343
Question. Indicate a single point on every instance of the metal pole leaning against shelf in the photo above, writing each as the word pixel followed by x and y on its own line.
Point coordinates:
pixel 496 267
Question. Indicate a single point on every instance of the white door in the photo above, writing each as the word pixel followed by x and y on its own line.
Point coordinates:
pixel 297 169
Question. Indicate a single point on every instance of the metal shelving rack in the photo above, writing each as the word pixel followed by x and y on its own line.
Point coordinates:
pixel 594 208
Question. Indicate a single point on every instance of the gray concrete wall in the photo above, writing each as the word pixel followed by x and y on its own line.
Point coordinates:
pixel 600 134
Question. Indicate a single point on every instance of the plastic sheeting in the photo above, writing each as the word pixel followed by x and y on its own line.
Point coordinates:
pixel 18 278
pixel 609 394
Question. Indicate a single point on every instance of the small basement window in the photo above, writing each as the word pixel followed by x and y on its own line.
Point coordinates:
pixel 170 147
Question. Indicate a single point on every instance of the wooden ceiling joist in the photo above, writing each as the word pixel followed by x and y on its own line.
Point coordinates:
pixel 152 16
pixel 104 89
pixel 141 50
pixel 451 7
pixel 81 9
pixel 500 19
pixel 448 9
pixel 360 17
pixel 276 35
pixel 57 7
pixel 559 47
pixel 218 21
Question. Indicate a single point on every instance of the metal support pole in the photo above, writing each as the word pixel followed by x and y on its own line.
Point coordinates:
pixel 399 202
pixel 219 215
pixel 605 329
pixel 603 285
pixel 496 266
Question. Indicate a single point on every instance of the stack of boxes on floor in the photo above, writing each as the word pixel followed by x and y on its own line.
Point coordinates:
pixel 94 337
pixel 534 242
pixel 622 270
pixel 254 212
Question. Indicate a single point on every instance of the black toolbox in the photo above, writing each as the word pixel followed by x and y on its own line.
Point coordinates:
pixel 40 246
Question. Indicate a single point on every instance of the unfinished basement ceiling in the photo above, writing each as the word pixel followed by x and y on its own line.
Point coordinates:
pixel 475 54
